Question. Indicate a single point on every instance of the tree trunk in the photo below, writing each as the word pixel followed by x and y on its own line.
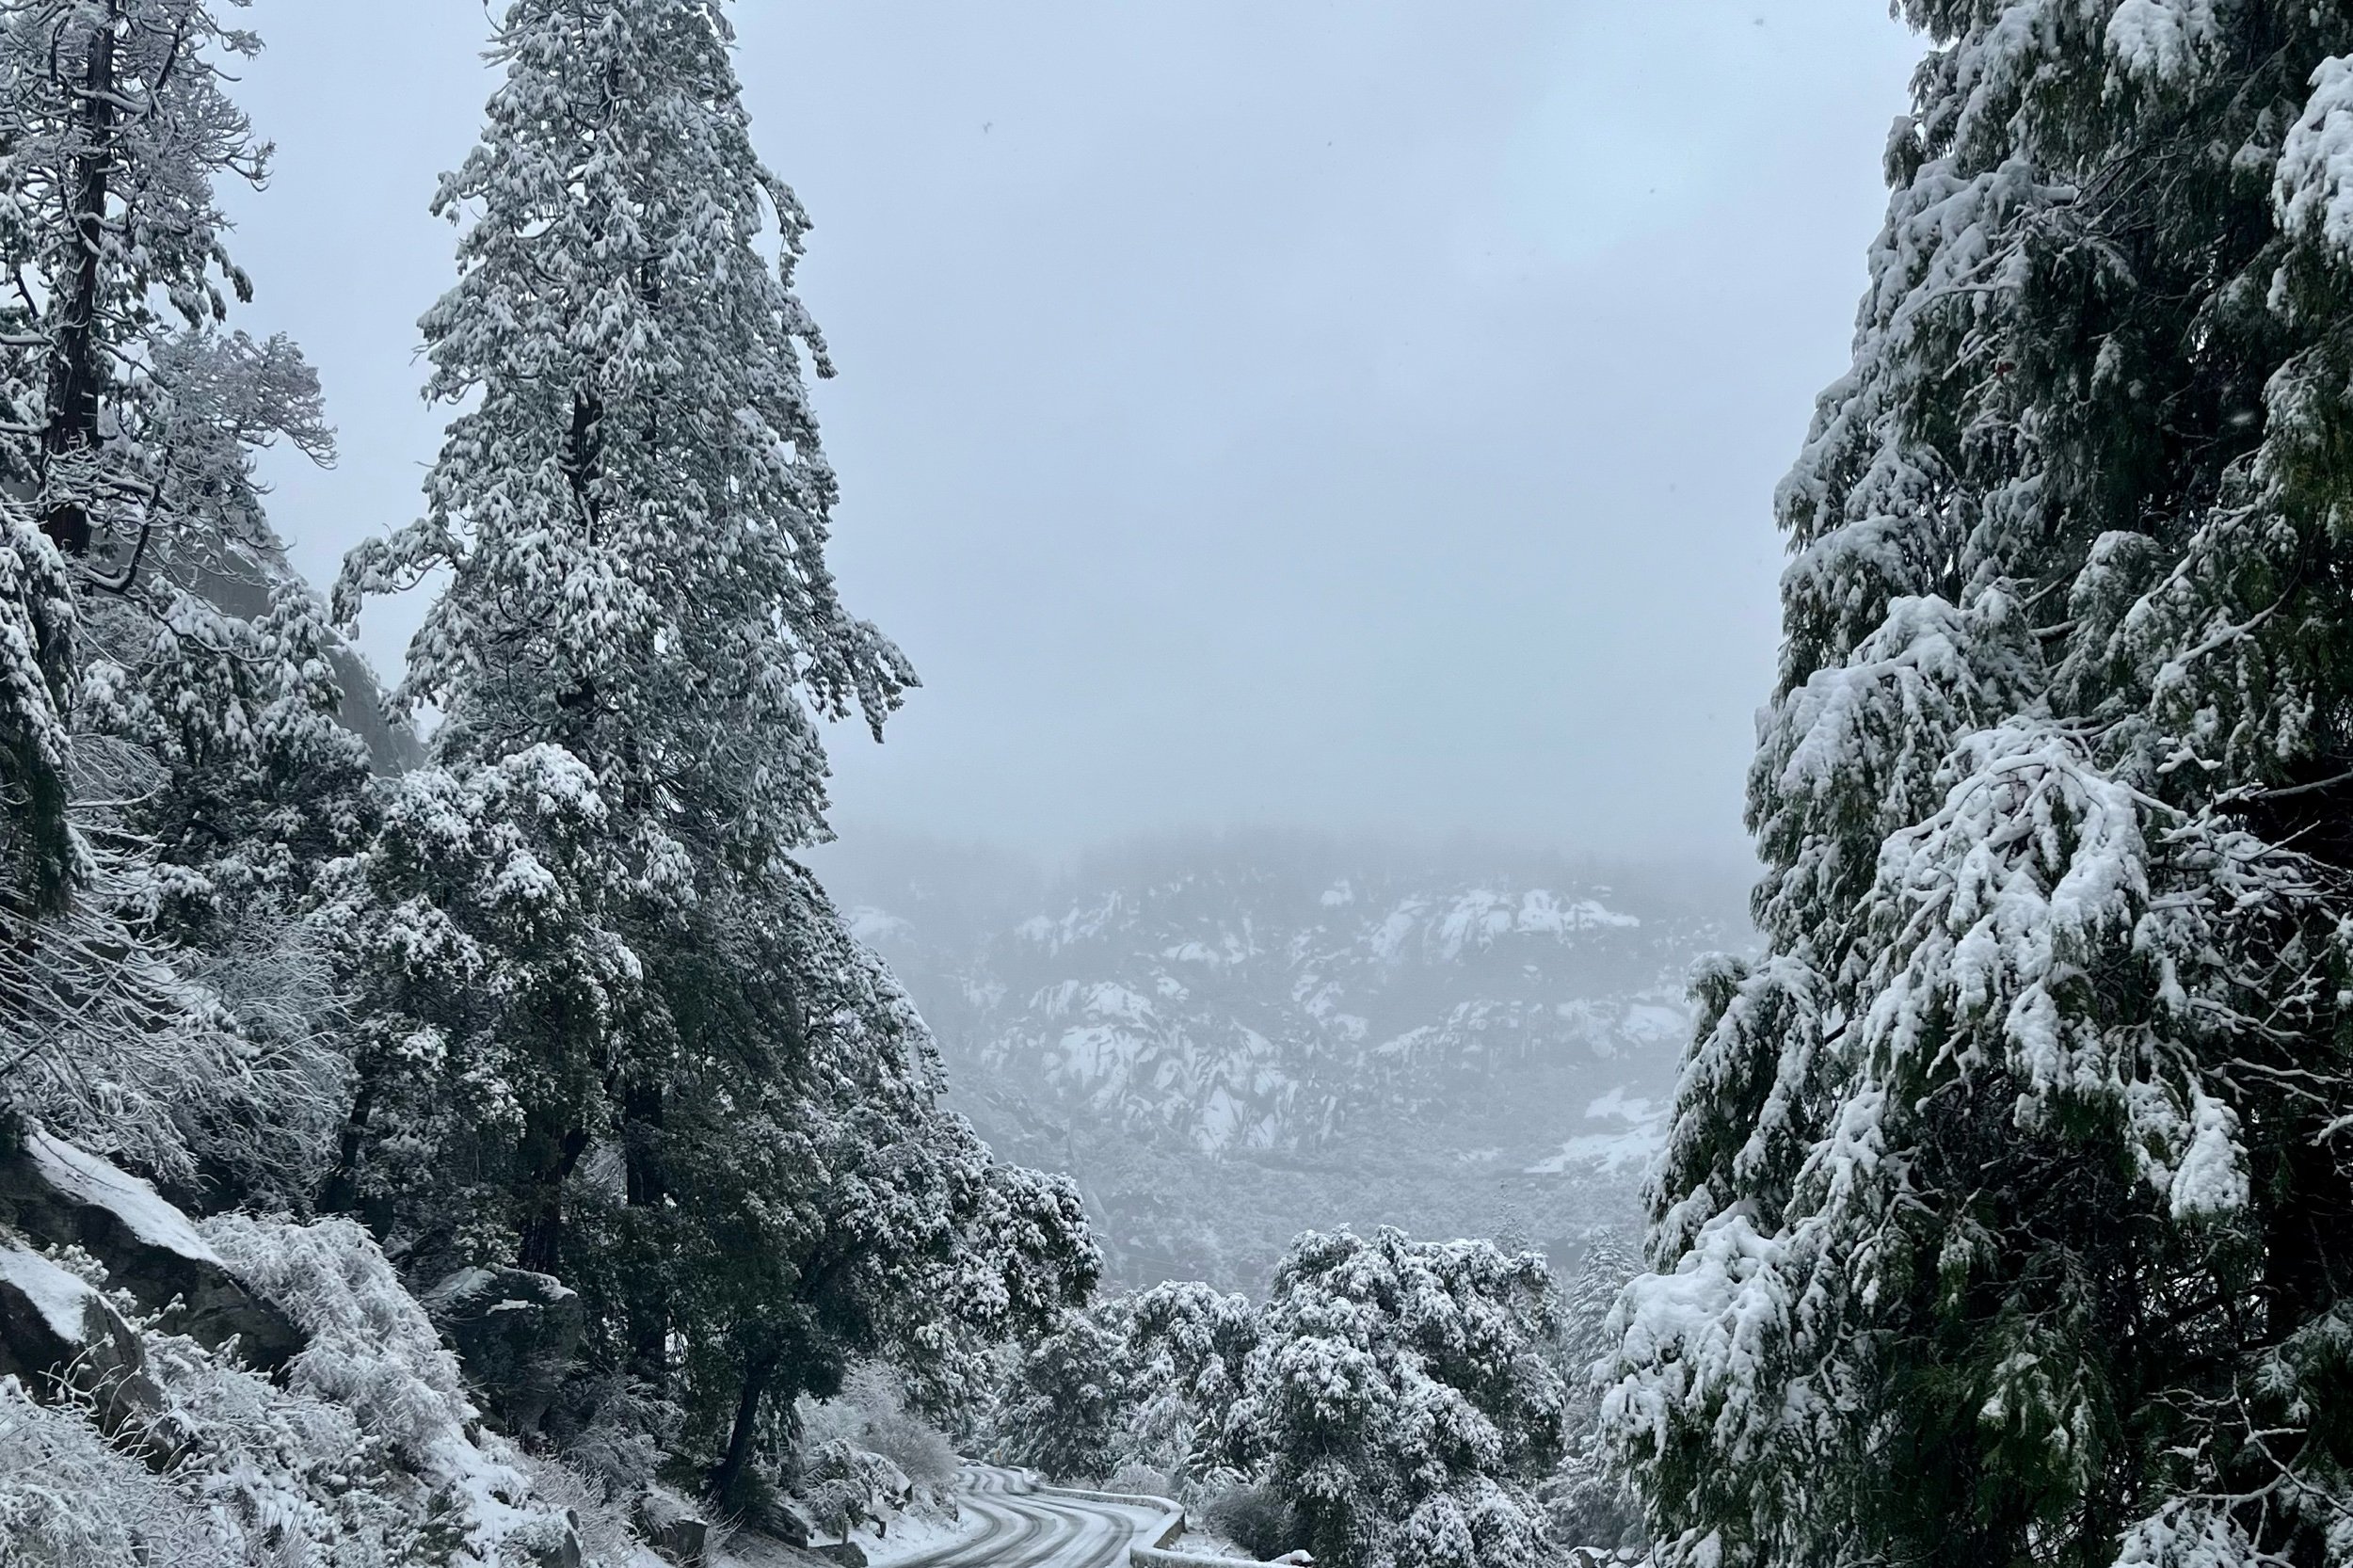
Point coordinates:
pixel 75 368
pixel 583 456
pixel 648 1300
pixel 340 1194
pixel 757 1372
pixel 542 1246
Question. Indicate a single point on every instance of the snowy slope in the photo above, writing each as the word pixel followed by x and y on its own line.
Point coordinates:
pixel 1225 1046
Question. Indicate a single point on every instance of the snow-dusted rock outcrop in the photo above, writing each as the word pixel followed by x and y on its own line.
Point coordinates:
pixel 55 1328
pixel 515 1332
pixel 230 1391
pixel 54 1194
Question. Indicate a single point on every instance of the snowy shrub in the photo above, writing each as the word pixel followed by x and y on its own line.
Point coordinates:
pixel 372 1349
pixel 600 1514
pixel 871 1413
pixel 112 1047
pixel 846 1487
pixel 1139 1479
pixel 613 1431
pixel 865 1455
pixel 273 972
pixel 282 1476
pixel 1255 1518
pixel 69 1500
pixel 375 1355
pixel 359 1459
pixel 919 1448
pixel 834 1420
pixel 1402 1399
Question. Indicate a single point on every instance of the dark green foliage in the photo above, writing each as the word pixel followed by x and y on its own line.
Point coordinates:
pixel 1256 1519
pixel 617 1033
pixel 2004 1217
pixel 36 852
pixel 1065 1411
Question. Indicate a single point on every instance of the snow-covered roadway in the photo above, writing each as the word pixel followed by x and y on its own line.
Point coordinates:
pixel 1023 1528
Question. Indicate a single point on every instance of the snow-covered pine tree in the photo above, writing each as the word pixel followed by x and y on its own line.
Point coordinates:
pixel 634 513
pixel 128 427
pixel 633 510
pixel 1399 1398
pixel 1064 1407
pixel 2007 1212
pixel 1588 1500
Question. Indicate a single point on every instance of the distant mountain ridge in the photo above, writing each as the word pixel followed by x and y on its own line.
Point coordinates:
pixel 1229 1042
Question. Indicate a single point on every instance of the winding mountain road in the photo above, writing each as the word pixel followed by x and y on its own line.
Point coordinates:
pixel 1024 1527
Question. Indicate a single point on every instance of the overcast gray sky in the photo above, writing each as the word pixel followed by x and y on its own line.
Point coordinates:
pixel 1358 415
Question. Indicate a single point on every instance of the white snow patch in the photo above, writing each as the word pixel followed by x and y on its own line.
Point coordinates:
pixel 917 1534
pixel 1388 937
pixel 2159 40
pixel 92 1180
pixel 62 1300
pixel 2212 1176
pixel 2312 191
pixel 1635 1142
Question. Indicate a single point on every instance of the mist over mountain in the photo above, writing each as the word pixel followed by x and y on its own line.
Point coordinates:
pixel 1230 1039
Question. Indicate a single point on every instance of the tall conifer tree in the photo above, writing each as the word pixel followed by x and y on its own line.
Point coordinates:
pixel 2008 1212
pixel 633 510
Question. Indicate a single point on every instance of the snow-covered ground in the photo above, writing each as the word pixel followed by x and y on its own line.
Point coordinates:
pixel 913 1536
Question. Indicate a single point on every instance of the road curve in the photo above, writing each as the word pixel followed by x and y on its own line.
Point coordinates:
pixel 1025 1529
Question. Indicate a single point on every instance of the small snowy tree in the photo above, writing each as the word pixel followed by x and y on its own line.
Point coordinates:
pixel 1587 1497
pixel 2003 1216
pixel 1188 1355
pixel 1066 1401
pixel 1402 1399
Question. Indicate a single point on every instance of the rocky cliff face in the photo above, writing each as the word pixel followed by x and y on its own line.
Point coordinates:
pixel 1229 1043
